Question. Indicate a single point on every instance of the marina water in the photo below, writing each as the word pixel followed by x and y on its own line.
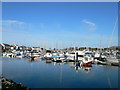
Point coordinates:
pixel 39 74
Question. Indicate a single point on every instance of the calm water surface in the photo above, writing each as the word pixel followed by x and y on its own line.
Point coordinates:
pixel 39 74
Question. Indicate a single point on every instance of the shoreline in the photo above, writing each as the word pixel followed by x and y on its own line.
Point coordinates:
pixel 10 84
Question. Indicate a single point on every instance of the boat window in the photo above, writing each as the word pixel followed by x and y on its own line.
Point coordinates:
pixel 86 58
pixel 80 55
pixel 72 53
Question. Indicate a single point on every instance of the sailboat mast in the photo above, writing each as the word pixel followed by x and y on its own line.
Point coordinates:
pixel 113 32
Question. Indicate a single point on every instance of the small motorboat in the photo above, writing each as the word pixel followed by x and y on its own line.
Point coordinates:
pixel 87 61
pixel 57 58
pixel 36 56
pixel 48 60
pixel 19 55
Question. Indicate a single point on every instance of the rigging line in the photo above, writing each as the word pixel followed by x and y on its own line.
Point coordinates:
pixel 61 75
pixel 113 32
pixel 109 82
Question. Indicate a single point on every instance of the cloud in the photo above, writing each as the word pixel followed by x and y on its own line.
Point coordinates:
pixel 89 22
pixel 11 22
pixel 6 30
pixel 92 26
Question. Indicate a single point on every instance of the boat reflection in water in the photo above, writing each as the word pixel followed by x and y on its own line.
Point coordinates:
pixel 31 60
pixel 86 69
pixel 77 66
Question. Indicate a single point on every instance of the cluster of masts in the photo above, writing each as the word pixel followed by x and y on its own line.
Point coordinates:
pixel 83 57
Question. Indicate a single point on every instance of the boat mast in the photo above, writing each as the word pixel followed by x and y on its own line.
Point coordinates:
pixel 38 43
pixel 113 32
pixel 75 47
pixel 56 45
pixel 101 43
